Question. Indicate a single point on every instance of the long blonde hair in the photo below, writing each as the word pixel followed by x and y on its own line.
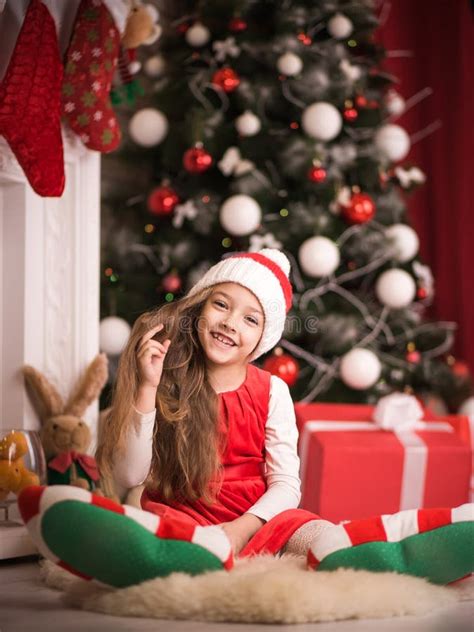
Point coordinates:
pixel 186 442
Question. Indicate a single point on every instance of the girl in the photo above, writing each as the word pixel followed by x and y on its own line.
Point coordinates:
pixel 212 436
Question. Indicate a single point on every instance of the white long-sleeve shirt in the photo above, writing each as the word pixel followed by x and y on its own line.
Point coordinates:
pixel 281 457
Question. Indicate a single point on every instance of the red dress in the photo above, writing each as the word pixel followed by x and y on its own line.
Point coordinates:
pixel 244 411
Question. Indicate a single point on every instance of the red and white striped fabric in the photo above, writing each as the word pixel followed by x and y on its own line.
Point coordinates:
pixel 35 501
pixel 385 528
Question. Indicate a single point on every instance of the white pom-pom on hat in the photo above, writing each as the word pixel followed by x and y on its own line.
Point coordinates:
pixel 277 257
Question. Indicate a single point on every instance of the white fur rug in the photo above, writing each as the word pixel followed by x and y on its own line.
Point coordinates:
pixel 263 590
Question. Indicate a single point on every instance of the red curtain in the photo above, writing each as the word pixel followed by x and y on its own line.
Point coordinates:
pixel 439 36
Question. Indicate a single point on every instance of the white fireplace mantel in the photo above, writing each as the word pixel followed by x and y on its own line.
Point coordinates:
pixel 49 286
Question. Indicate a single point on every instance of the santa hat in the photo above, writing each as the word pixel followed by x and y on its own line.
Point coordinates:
pixel 265 274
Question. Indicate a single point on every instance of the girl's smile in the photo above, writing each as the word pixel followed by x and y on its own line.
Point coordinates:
pixel 222 340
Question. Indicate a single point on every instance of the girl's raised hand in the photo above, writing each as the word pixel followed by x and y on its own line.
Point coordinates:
pixel 150 357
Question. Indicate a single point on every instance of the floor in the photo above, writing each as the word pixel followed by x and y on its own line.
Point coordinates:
pixel 26 604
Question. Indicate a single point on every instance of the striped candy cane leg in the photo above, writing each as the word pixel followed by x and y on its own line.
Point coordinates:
pixel 431 543
pixel 117 545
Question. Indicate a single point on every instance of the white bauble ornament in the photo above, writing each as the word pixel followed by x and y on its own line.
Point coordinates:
pixel 321 121
pixel 290 64
pixel 360 369
pixel 395 288
pixel 467 407
pixel 154 66
pixel 114 333
pixel 318 256
pixel 247 124
pixel 198 35
pixel 134 67
pixel 394 103
pixel 240 215
pixel 405 241
pixel 148 127
pixel 339 26
pixel 392 141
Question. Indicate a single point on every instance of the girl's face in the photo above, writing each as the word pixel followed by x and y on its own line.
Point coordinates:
pixel 230 325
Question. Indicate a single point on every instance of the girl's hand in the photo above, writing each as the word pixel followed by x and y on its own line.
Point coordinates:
pixel 150 358
pixel 240 530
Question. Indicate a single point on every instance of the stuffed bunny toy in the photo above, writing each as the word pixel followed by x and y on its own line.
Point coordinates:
pixel 64 434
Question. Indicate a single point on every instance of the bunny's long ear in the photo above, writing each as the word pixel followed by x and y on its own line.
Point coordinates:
pixel 89 387
pixel 45 398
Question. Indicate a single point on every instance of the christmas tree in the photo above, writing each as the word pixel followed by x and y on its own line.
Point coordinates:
pixel 273 124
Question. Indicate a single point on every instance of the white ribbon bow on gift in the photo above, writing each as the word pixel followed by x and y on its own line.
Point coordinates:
pixel 398 412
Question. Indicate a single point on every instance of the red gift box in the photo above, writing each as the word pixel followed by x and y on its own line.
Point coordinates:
pixel 350 468
pixel 464 426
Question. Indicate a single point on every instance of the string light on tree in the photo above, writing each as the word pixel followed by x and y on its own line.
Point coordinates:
pixel 162 201
pixel 226 79
pixel 395 288
pixel 360 369
pixel 114 333
pixel 392 142
pixel 172 282
pixel 339 26
pixel 148 127
pixel 248 124
pixel 322 121
pixel 405 241
pixel 197 35
pixel 318 256
pixel 282 365
pixel 290 64
pixel 240 215
pixel 197 160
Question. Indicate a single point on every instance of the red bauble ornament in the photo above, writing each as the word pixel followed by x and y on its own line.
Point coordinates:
pixel 162 201
pixel 183 28
pixel 284 366
pixel 360 209
pixel 172 282
pixel 460 369
pixel 421 293
pixel 237 25
pixel 350 114
pixel 305 39
pixel 413 357
pixel 317 174
pixel 361 101
pixel 197 160
pixel 383 179
pixel 226 79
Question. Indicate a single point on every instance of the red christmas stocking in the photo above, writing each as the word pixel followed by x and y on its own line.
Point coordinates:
pixel 90 64
pixel 30 98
